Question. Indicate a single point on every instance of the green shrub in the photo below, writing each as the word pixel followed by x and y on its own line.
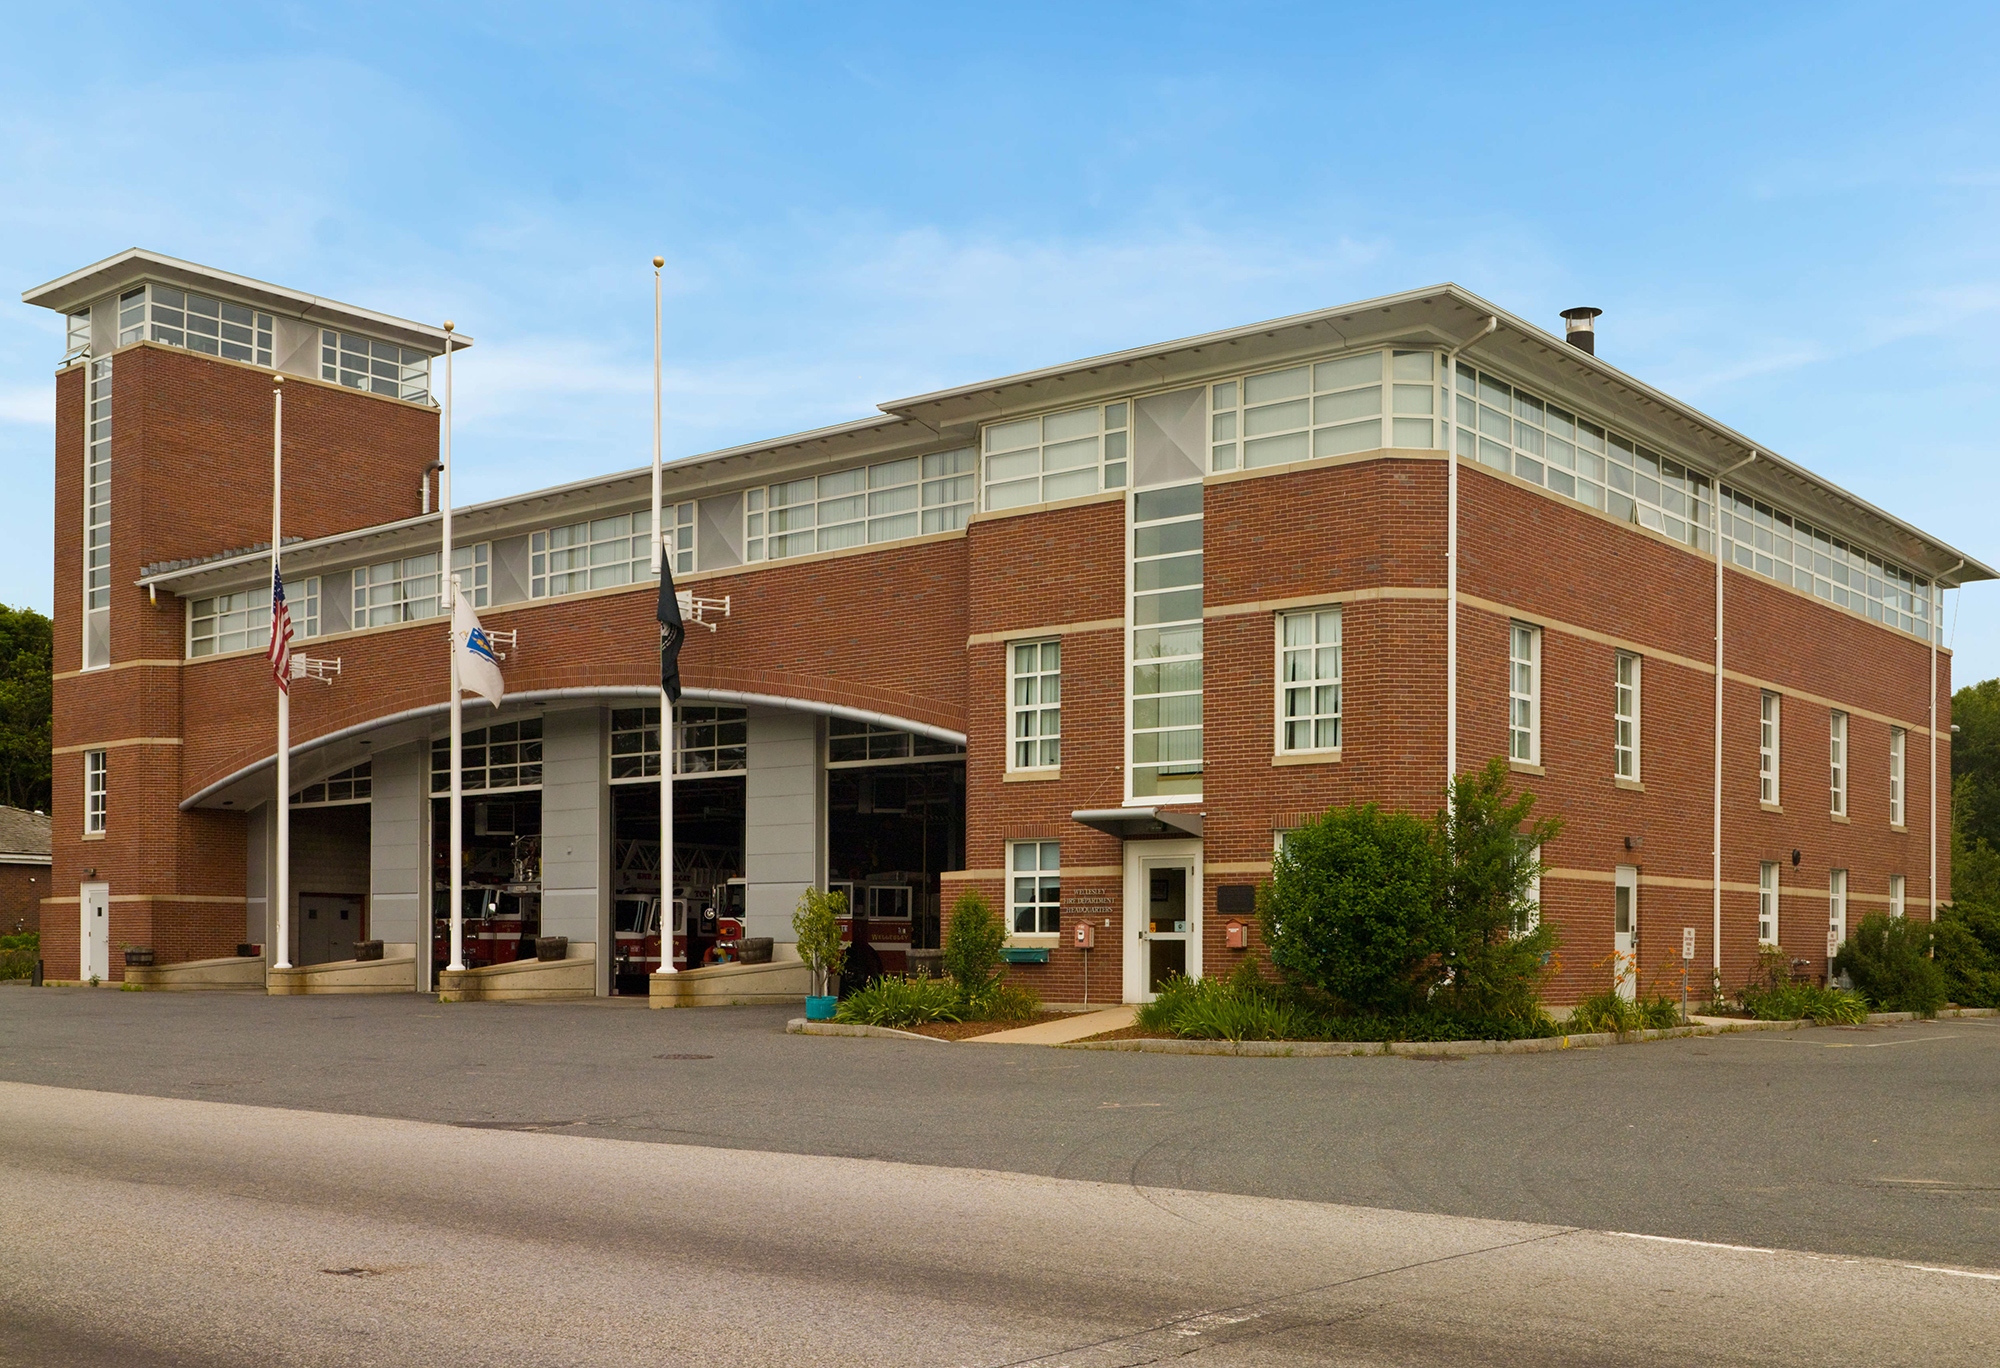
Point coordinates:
pixel 972 942
pixel 1607 1011
pixel 1001 1002
pixel 1245 1008
pixel 816 925
pixel 1493 949
pixel 1352 909
pixel 18 953
pixel 1805 1002
pixel 1968 952
pixel 902 1002
pixel 1889 961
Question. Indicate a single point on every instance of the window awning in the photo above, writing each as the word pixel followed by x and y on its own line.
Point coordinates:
pixel 1139 823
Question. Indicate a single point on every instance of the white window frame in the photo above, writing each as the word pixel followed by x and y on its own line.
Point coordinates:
pixel 912 496
pixel 1034 705
pixel 597 553
pixel 1836 912
pixel 97 419
pixel 510 751
pixel 1626 702
pixel 1308 712
pixel 247 615
pixel 1324 409
pixel 408 587
pixel 1898 746
pixel 1767 903
pixel 1770 740
pixel 76 341
pixel 1034 888
pixel 1836 740
pixel 96 791
pixel 350 786
pixel 474 567
pixel 358 361
pixel 1524 693
pixel 712 740
pixel 195 322
pixel 1774 544
pixel 1170 647
pixel 1065 455
pixel 1898 895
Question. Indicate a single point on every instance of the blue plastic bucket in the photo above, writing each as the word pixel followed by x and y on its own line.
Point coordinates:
pixel 821 1008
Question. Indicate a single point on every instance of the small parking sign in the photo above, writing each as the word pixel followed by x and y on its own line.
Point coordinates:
pixel 1687 944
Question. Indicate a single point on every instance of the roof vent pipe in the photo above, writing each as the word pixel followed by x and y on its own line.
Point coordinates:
pixel 1582 330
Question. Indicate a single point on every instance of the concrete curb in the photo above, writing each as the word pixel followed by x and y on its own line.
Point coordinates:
pixel 1419 1049
pixel 800 1026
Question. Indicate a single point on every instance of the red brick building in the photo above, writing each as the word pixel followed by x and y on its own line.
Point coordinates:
pixel 1089 639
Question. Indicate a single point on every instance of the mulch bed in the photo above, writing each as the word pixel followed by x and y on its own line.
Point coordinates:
pixel 965 1030
pixel 1131 1033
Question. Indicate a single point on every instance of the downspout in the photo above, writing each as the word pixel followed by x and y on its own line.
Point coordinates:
pixel 1936 621
pixel 1451 553
pixel 424 484
pixel 1715 850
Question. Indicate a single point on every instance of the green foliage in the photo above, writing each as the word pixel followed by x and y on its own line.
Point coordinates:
pixel 18 954
pixel 1968 950
pixel 890 1001
pixel 1494 951
pixel 1607 1011
pixel 902 1002
pixel 1243 1007
pixel 1889 960
pixel 1975 765
pixel 816 925
pixel 1805 1002
pixel 972 942
pixel 26 694
pixel 1352 909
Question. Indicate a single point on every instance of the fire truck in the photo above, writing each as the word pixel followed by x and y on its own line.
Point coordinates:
pixel 707 913
pixel 502 907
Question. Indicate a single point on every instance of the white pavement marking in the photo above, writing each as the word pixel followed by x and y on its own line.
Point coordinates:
pixel 221 1234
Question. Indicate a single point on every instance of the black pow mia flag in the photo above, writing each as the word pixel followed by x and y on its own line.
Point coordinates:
pixel 672 633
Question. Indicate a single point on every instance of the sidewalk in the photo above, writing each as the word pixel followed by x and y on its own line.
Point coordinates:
pixel 1063 1031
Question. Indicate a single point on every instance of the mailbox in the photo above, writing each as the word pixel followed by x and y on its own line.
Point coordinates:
pixel 1086 935
pixel 1236 936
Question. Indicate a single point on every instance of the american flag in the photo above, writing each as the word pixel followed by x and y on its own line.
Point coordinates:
pixel 280 654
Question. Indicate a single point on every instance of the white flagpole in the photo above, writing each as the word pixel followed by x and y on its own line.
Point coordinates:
pixel 667 729
pixel 283 959
pixel 447 587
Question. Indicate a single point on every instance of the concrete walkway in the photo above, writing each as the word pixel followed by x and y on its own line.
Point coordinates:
pixel 1061 1032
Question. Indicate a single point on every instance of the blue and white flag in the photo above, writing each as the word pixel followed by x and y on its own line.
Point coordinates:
pixel 478 665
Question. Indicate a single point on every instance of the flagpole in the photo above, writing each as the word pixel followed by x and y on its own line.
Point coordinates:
pixel 667 729
pixel 447 592
pixel 283 959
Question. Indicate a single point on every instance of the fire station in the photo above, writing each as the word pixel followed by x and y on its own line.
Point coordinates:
pixel 1089 639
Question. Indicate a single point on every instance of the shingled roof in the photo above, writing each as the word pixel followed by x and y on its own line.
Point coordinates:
pixel 24 836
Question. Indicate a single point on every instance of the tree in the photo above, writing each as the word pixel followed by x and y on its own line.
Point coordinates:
pixel 1975 762
pixel 26 660
pixel 972 944
pixel 1493 947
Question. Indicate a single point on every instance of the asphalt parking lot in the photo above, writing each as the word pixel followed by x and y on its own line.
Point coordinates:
pixel 1880 1141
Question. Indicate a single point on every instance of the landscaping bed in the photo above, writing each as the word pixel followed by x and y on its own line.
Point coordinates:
pixel 966 1030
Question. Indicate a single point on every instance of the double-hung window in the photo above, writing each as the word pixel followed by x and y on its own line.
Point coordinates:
pixel 1896 890
pixel 1836 910
pixel 1837 761
pixel 1034 671
pixel 94 791
pixel 1524 694
pixel 1309 681
pixel 1035 896
pixel 1767 903
pixel 1625 714
pixel 1767 749
pixel 1897 744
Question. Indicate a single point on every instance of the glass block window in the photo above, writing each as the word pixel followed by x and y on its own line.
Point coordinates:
pixel 1767 748
pixel 1625 716
pixel 182 318
pixel 1057 456
pixel 1524 694
pixel 1309 680
pixel 865 743
pixel 860 507
pixel 1837 750
pixel 352 785
pixel 1771 542
pixel 1767 902
pixel 712 741
pixel 404 590
pixel 1166 645
pixel 1035 887
pixel 96 791
pixel 368 363
pixel 602 553
pixel 1034 679
pixel 506 755
pixel 241 621
pixel 97 488
pixel 1898 744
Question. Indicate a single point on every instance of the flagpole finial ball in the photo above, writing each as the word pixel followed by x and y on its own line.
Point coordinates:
pixel 277 380
pixel 659 262
pixel 449 325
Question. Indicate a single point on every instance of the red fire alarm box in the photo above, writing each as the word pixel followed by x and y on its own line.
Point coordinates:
pixel 1236 936
pixel 1086 936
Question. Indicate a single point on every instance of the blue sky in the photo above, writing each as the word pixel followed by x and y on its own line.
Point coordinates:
pixel 1787 212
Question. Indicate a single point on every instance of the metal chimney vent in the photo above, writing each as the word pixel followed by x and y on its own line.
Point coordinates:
pixel 1582 330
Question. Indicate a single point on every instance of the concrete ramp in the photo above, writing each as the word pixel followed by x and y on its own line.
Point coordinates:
pixel 397 974
pixel 524 980
pixel 732 985
pixel 232 974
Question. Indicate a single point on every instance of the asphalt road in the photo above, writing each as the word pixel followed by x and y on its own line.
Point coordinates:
pixel 143 1231
pixel 1880 1142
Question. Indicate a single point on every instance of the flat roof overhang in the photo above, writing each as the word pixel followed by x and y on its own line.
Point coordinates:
pixel 135 264
pixel 1140 823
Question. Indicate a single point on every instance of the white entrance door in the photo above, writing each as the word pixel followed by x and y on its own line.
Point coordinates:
pixel 1162 915
pixel 1625 931
pixel 94 900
